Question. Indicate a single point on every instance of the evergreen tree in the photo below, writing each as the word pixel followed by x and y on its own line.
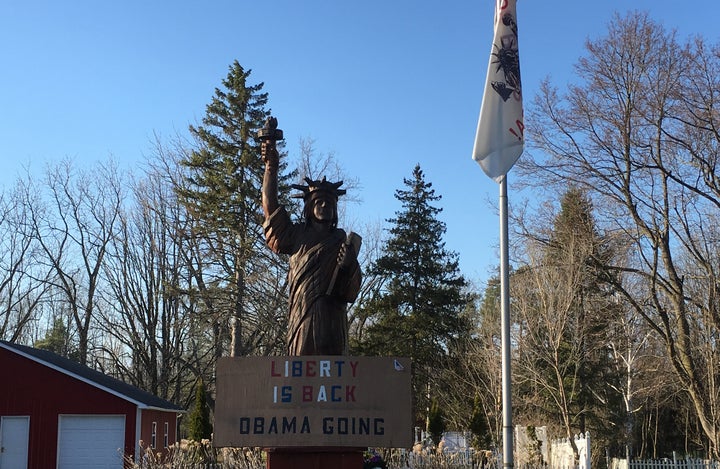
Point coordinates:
pixel 199 426
pixel 419 312
pixel 564 308
pixel 575 240
pixel 435 423
pixel 481 436
pixel 57 340
pixel 221 191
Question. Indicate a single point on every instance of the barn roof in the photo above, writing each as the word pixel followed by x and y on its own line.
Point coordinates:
pixel 142 399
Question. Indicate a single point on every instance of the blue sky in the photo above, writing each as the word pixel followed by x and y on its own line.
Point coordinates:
pixel 383 85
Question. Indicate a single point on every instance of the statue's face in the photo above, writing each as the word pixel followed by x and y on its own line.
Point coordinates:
pixel 323 208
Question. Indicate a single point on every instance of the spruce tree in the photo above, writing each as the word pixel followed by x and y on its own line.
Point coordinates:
pixel 221 191
pixel 419 312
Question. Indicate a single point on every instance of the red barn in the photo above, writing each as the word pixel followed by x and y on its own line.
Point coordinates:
pixel 56 413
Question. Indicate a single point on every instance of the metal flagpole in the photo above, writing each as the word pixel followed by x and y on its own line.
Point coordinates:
pixel 498 145
pixel 505 326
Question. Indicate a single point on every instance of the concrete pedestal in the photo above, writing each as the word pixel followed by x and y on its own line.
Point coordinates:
pixel 314 458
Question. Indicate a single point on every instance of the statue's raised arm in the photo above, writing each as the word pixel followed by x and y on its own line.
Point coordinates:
pixel 269 135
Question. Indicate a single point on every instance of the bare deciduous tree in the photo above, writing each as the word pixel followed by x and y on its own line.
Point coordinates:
pixel 148 312
pixel 640 133
pixel 73 227
pixel 22 280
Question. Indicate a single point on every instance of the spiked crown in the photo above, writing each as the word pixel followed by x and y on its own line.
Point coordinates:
pixel 314 187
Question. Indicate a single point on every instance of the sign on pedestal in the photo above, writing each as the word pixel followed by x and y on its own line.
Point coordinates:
pixel 313 401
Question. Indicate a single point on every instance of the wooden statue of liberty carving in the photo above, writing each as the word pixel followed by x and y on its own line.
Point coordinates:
pixel 324 273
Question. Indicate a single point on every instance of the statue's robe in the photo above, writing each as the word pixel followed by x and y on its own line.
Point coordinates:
pixel 317 323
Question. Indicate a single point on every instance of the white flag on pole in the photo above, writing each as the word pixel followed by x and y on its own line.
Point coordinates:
pixel 499 138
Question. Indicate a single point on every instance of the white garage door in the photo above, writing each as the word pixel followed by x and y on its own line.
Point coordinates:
pixel 91 441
